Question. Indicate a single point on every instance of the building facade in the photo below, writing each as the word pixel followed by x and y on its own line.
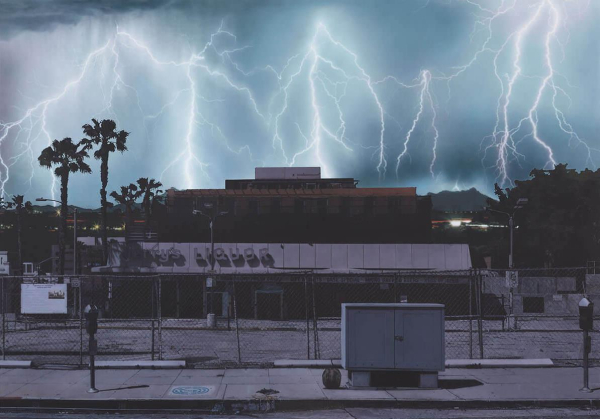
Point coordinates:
pixel 296 205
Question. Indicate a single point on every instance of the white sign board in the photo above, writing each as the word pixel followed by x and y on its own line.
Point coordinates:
pixel 43 298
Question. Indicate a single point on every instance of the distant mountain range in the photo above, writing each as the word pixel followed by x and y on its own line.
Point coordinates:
pixel 468 200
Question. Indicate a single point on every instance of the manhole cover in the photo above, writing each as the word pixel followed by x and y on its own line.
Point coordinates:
pixel 190 390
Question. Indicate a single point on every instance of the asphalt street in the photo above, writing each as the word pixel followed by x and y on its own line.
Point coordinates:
pixel 358 413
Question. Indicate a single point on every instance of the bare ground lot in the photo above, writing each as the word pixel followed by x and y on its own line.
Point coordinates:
pixel 263 341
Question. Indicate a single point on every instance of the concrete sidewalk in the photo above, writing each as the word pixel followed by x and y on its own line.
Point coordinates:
pixel 296 388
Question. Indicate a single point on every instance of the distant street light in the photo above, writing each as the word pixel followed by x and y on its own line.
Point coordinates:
pixel 74 231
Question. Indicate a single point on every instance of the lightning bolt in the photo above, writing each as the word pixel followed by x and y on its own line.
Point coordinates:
pixel 323 75
pixel 316 62
pixel 504 136
pixel 35 118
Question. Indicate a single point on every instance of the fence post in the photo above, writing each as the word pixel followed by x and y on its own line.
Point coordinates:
pixel 237 329
pixel 160 347
pixel 152 292
pixel 471 316
pixel 3 323
pixel 80 325
pixel 478 279
pixel 307 321
pixel 315 325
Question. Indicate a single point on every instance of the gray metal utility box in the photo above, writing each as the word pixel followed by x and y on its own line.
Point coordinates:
pixel 393 337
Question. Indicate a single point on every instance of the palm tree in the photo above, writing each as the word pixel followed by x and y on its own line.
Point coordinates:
pixel 109 140
pixel 129 194
pixel 21 207
pixel 68 157
pixel 149 189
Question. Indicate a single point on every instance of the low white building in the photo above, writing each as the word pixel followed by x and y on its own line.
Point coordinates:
pixel 265 258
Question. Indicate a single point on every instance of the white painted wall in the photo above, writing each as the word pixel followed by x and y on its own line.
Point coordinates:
pixel 289 257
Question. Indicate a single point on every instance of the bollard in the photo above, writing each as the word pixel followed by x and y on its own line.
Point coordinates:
pixel 91 326
pixel 586 323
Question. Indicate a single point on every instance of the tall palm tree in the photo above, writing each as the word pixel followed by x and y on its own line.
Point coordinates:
pixel 104 135
pixel 21 207
pixel 68 157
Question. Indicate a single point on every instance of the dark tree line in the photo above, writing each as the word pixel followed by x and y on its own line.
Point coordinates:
pixel 560 225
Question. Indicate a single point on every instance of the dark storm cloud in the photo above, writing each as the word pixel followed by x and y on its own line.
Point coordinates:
pixel 42 15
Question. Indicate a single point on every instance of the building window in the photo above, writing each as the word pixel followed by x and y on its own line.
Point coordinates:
pixel 533 304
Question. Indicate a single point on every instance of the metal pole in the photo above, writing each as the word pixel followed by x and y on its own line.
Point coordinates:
pixel 212 266
pixel 586 382
pixel 470 316
pixel 307 322
pixel 510 266
pixel 479 292
pixel 80 327
pixel 92 369
pixel 152 316
pixel 3 323
pixel 178 303
pixel 228 308
pixel 315 326
pixel 510 256
pixel 237 329
pixel 75 241
pixel 160 349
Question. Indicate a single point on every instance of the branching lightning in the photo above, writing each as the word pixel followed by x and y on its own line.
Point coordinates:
pixel 36 116
pixel 307 118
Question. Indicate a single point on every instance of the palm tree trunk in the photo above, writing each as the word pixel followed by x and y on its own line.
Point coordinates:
pixel 64 213
pixel 103 208
pixel 19 243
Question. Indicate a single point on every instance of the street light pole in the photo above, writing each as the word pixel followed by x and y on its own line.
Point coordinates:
pixel 510 256
pixel 212 264
pixel 521 202
pixel 211 219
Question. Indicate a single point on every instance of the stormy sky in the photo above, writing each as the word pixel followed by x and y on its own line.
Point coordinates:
pixel 437 94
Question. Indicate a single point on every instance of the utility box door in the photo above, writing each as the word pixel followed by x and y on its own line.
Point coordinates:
pixel 370 339
pixel 419 338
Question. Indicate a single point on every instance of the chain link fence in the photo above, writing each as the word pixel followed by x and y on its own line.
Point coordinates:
pixel 259 319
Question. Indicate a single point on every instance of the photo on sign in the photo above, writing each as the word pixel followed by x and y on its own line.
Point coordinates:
pixel 56 295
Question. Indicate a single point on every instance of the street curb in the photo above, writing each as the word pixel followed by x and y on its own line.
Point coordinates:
pixel 450 363
pixel 15 364
pixel 222 406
